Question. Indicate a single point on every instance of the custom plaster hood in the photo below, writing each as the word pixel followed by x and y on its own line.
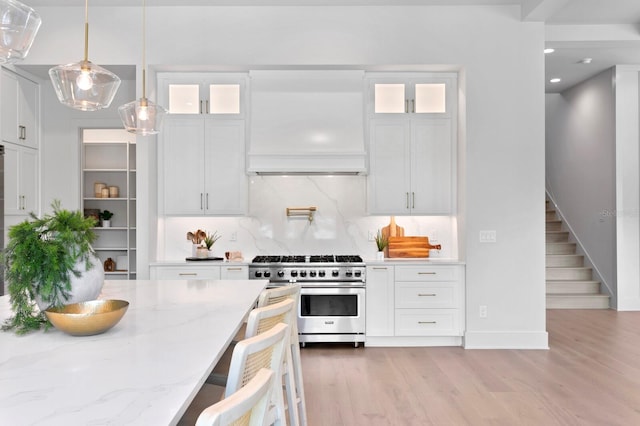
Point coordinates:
pixel 306 122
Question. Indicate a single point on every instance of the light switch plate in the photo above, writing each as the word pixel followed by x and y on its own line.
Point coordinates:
pixel 488 236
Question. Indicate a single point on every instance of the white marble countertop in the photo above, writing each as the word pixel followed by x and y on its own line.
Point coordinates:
pixel 144 371
pixel 420 261
pixel 197 263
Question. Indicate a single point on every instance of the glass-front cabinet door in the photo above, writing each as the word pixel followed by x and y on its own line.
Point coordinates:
pixel 212 94
pixel 400 93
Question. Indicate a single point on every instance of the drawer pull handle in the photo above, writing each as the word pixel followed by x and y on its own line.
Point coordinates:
pixel 427 273
pixel 234 269
pixel 427 322
pixel 426 294
pixel 382 268
pixel 188 274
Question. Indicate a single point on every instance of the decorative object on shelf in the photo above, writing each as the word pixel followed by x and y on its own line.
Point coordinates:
pixel 142 117
pixel 94 214
pixel 202 252
pixel 109 265
pixel 233 256
pixel 113 192
pixel 49 261
pixel 20 24
pixel 104 193
pixel 106 216
pixel 196 239
pixel 122 263
pixel 302 211
pixel 84 85
pixel 87 318
pixel 382 242
pixel 97 189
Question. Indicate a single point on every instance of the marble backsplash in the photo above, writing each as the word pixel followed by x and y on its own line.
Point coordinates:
pixel 340 225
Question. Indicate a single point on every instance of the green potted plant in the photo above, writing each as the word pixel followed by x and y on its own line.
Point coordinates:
pixel 48 262
pixel 106 216
pixel 381 242
pixel 210 239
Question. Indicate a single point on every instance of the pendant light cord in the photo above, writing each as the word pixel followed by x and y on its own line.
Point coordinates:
pixel 86 31
pixel 144 49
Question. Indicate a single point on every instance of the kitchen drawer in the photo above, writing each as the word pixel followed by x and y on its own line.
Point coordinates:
pixel 427 322
pixel 426 295
pixel 187 273
pixel 235 272
pixel 427 273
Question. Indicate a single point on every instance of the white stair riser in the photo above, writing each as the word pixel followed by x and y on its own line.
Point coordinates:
pixel 557 237
pixel 573 287
pixel 577 302
pixel 561 248
pixel 554 261
pixel 554 225
pixel 574 274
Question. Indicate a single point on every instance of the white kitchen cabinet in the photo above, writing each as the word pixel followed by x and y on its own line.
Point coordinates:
pixel 412 154
pixel 220 95
pixel 203 270
pixel 20 180
pixel 379 298
pixel 429 300
pixel 415 305
pixel 20 109
pixel 202 167
pixel 109 157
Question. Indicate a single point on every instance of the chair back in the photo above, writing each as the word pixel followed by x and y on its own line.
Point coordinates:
pixel 263 319
pixel 265 350
pixel 278 294
pixel 246 407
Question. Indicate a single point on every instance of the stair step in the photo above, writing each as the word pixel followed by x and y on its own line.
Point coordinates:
pixel 560 248
pixel 573 287
pixel 571 274
pixel 577 301
pixel 554 225
pixel 550 214
pixel 557 236
pixel 564 260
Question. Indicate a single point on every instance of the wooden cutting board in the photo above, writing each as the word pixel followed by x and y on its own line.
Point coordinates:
pixel 391 230
pixel 410 246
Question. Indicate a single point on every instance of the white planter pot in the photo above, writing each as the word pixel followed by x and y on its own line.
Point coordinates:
pixel 106 224
pixel 85 287
pixel 379 255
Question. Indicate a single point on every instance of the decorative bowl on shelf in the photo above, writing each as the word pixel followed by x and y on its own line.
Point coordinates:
pixel 87 318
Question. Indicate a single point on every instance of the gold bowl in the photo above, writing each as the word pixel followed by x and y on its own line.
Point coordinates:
pixel 87 318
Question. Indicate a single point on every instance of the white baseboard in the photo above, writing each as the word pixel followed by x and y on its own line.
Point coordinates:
pixel 506 340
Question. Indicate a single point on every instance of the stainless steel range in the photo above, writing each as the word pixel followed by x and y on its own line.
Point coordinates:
pixel 332 293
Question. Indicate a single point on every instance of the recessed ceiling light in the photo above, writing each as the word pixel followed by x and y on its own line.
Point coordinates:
pixel 549 50
pixel 586 60
pixel 555 80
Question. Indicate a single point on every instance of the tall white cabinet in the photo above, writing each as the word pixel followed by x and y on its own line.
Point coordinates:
pixel 412 144
pixel 20 109
pixel 109 157
pixel 201 160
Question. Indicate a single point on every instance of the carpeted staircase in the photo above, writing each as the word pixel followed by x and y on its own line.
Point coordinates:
pixel 570 284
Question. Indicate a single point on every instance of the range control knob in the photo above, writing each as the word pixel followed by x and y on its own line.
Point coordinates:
pixel 358 273
pixel 335 273
pixel 321 273
pixel 281 274
pixel 258 274
pixel 349 273
pixel 312 273
pixel 294 273
pixel 303 273
pixel 267 274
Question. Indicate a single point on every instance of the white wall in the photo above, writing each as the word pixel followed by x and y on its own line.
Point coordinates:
pixel 502 63
pixel 580 168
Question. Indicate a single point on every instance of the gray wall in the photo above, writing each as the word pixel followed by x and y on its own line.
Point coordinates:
pixel 580 167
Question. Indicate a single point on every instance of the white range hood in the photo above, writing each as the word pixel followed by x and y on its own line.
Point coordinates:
pixel 306 122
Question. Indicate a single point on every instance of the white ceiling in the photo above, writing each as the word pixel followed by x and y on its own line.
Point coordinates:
pixel 608 31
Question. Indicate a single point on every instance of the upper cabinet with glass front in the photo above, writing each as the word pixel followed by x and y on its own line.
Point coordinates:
pixel 421 95
pixel 221 95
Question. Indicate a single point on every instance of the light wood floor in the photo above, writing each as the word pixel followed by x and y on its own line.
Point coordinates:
pixel 590 375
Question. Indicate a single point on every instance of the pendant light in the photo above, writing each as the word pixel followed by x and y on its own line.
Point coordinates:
pixel 142 116
pixel 84 85
pixel 19 25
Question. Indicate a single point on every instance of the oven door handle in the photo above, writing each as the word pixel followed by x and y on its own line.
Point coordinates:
pixel 329 286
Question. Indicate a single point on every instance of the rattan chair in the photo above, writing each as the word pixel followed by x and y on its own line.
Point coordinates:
pixel 295 393
pixel 246 407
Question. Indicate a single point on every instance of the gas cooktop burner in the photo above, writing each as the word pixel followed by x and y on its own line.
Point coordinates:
pixel 308 259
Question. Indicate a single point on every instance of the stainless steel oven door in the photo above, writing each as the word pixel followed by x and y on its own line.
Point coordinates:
pixel 331 314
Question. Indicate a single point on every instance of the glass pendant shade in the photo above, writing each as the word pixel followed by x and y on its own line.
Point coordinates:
pixel 19 25
pixel 142 117
pixel 84 86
